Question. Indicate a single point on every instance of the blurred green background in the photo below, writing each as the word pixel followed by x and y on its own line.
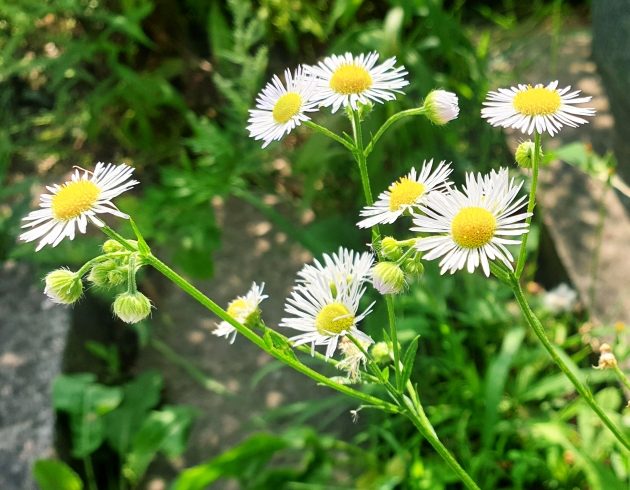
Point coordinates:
pixel 165 86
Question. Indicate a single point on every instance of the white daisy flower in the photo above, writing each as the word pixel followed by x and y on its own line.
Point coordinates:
pixel 471 224
pixel 345 265
pixel 404 194
pixel 346 80
pixel 70 205
pixel 325 313
pixel 244 309
pixel 541 109
pixel 278 109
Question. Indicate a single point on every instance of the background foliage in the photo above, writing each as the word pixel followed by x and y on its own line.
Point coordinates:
pixel 165 86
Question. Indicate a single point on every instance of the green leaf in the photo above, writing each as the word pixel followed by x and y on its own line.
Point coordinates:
pixel 495 381
pixel 219 33
pixel 164 431
pixel 257 449
pixel 52 474
pixel 68 391
pixel 143 248
pixel 139 396
pixel 86 402
pixel 408 360
pixel 385 373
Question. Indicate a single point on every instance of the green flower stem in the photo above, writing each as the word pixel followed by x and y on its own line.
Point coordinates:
pixel 622 377
pixel 192 291
pixel 396 117
pixel 378 373
pixel 414 410
pixel 407 243
pixel 114 235
pixel 334 362
pixel 132 288
pixel 89 473
pixel 329 134
pixel 361 158
pixel 416 414
pixel 581 388
pixel 522 253
pixel 85 268
pixel 408 252
pixel 252 337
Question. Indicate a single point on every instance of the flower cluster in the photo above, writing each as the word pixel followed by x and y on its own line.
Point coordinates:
pixel 337 81
pixel 465 227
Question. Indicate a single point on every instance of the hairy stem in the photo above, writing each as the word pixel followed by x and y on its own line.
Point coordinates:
pixel 329 134
pixel 252 337
pixel 416 414
pixel 413 408
pixel 396 117
pixel 522 253
pixel 361 159
pixel 581 388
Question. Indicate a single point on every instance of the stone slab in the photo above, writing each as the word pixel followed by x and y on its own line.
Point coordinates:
pixel 32 339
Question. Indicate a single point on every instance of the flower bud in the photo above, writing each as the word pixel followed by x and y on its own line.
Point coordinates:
pixel 111 246
pixel 132 307
pixel 441 107
pixel 363 110
pixel 390 248
pixel 413 267
pixel 63 286
pixel 388 278
pixel 380 352
pixel 117 277
pixel 107 274
pixel 524 155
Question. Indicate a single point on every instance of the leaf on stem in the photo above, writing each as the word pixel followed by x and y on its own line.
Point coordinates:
pixel 408 359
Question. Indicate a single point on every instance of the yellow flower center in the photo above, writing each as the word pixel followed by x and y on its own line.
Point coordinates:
pixel 238 308
pixel 350 79
pixel 404 192
pixel 74 198
pixel 286 107
pixel 333 319
pixel 537 101
pixel 473 227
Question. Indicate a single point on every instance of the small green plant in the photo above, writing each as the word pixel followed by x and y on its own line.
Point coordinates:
pixel 127 419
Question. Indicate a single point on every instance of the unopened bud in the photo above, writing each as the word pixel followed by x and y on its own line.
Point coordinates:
pixel 380 352
pixel 107 274
pixel 63 286
pixel 390 248
pixel 132 307
pixel 362 109
pixel 441 107
pixel 388 278
pixel 117 277
pixel 111 246
pixel 413 267
pixel 524 155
